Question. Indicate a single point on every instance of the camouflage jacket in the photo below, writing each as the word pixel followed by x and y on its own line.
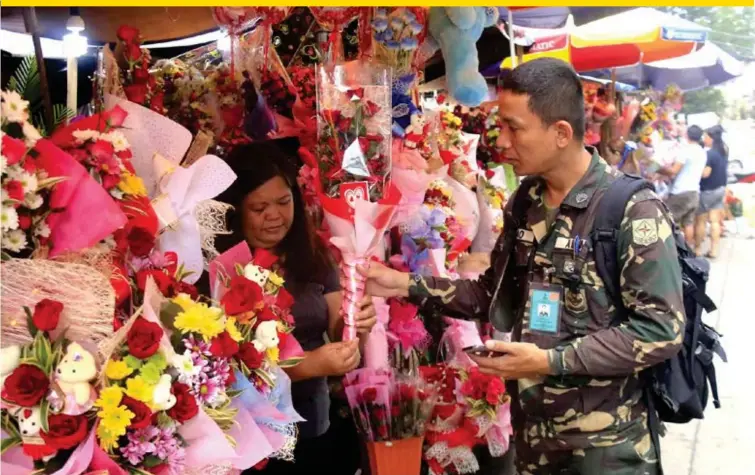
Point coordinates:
pixel 593 397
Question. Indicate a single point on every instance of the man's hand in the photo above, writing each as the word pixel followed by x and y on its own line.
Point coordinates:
pixel 521 360
pixel 382 281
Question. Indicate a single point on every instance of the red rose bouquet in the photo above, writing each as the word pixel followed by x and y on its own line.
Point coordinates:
pixel 139 85
pixel 45 392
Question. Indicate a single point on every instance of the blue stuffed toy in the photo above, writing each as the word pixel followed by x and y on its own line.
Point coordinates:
pixel 403 105
pixel 457 29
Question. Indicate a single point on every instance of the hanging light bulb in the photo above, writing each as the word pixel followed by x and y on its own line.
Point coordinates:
pixel 74 43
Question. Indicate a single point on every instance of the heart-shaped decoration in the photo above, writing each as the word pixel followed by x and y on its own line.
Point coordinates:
pixel 353 195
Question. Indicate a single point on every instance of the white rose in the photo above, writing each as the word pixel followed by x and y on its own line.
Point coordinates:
pixel 85 135
pixel 14 107
pixel 9 218
pixel 14 241
pixel 31 135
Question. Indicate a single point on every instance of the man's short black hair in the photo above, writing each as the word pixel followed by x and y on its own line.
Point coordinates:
pixel 554 90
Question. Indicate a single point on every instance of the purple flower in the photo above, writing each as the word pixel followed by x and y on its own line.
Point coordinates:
pixel 436 218
pixel 168 449
pixel 416 28
pixel 140 445
pixel 379 24
pixel 200 347
pixel 397 23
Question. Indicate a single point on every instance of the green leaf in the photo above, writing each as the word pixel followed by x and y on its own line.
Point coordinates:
pixel 239 269
pixel 10 426
pixel 265 376
pixel 44 411
pixel 30 322
pixel 4 256
pixel 43 352
pixel 164 420
pixel 291 362
pixel 133 362
pixel 233 393
pixel 9 443
pixel 60 114
pixel 151 461
pixel 168 314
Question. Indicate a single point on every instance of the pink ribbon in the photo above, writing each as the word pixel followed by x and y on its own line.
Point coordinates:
pixel 352 285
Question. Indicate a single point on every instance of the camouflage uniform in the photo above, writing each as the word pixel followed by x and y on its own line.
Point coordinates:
pixel 588 417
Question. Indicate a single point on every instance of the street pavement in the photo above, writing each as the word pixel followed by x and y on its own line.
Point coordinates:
pixel 724 442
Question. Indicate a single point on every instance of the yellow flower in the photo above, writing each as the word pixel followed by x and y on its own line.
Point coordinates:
pixel 184 301
pixel 273 354
pixel 117 370
pixel 207 321
pixel 132 185
pixel 109 397
pixel 275 279
pixel 233 331
pixel 108 441
pixel 138 389
pixel 115 420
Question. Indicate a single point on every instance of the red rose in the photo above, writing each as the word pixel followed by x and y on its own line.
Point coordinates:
pixel 231 379
pixel 26 386
pixel 489 174
pixel 223 346
pixel 140 214
pixel 120 283
pixel 284 300
pixel 370 108
pixel 163 281
pixel 15 190
pixel 242 296
pixel 24 221
pixel 249 355
pixel 65 432
pixel 110 181
pixel 102 150
pixel 133 52
pixel 79 154
pixel 157 102
pixel 496 388
pixel 331 115
pixel 141 76
pixel 263 463
pixel 142 413
pixel 128 34
pixel 266 315
pixel 29 165
pixel 140 241
pixel 171 262
pixel 136 93
pixel 186 288
pixel 143 339
pixel 13 150
pixel 117 322
pixel 47 314
pixel 186 405
pixel 369 395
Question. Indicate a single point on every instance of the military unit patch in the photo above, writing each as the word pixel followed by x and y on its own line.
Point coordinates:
pixel 644 231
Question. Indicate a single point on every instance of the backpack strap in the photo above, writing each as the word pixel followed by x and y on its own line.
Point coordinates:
pixel 605 233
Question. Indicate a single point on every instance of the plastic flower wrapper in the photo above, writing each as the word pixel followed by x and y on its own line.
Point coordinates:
pixel 491 198
pixel 412 404
pixel 488 408
pixel 407 334
pixel 354 128
pixel 370 404
pixel 412 183
pixel 463 168
pixel 396 36
pixel 44 399
pixel 250 289
pixel 358 228
pixel 334 20
pixel 16 462
pixel 376 348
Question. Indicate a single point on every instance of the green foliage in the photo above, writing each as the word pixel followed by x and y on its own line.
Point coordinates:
pixel 732 28
pixel 704 100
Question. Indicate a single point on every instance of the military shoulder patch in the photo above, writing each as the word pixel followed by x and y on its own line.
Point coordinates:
pixel 644 231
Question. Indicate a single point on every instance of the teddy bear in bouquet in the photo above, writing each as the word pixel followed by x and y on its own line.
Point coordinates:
pixel 73 376
pixel 29 426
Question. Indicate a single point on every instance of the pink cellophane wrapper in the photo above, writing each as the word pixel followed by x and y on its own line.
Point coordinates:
pixel 15 462
pixel 81 198
pixel 252 445
pixel 467 208
pixel 488 234
pixel 460 334
pixel 358 233
pixel 225 264
pixel 207 443
pixel 413 185
pixel 148 133
pixel 376 346
pixel 102 462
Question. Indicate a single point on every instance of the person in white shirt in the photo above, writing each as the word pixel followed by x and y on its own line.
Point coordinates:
pixel 686 171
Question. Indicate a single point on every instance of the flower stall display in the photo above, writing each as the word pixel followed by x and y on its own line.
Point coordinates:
pixel 334 20
pixel 390 411
pixel 46 391
pixel 397 35
pixel 186 95
pixel 139 85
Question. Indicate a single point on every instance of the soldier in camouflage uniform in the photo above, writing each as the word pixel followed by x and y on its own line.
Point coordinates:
pixel 572 373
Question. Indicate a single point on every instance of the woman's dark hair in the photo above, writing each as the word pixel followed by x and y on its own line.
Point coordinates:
pixel 717 134
pixel 305 255
pixel 695 134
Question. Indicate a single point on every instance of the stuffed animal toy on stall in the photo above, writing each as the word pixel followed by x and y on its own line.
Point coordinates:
pixel 29 426
pixel 73 376
pixel 162 397
pixel 457 29
pixel 10 359
pixel 266 336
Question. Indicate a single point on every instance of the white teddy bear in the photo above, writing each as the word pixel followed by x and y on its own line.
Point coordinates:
pixel 29 425
pixel 10 358
pixel 162 398
pixel 73 374
pixel 266 336
pixel 256 274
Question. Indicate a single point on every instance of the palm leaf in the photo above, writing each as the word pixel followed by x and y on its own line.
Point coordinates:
pixel 60 114
pixel 26 82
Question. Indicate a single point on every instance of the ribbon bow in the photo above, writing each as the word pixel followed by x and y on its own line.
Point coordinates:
pixel 181 192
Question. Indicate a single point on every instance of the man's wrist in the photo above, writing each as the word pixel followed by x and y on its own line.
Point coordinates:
pixel 557 361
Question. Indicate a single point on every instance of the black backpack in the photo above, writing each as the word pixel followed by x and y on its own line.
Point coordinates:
pixel 677 389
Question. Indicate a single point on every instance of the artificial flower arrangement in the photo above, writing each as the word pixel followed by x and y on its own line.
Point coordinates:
pixel 26 186
pixel 46 393
pixel 186 95
pixel 397 34
pixel 140 86
pixel 390 410
pixel 303 78
pixel 353 128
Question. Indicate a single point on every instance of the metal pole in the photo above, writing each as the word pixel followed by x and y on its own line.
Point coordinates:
pixel 512 48
pixel 30 22
pixel 72 82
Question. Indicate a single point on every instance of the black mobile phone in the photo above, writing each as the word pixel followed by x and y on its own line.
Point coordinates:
pixel 482 351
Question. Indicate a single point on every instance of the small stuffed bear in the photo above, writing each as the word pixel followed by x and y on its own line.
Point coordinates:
pixel 29 425
pixel 10 358
pixel 73 374
pixel 162 397
pixel 457 29
pixel 266 336
pixel 256 274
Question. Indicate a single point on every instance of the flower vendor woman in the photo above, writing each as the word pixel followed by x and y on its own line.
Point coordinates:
pixel 269 213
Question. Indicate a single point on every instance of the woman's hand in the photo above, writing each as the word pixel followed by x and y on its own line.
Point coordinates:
pixel 366 317
pixel 336 359
pixel 382 281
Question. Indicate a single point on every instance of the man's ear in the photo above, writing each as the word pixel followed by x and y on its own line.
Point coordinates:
pixel 564 133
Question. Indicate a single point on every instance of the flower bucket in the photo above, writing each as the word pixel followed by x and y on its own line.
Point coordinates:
pixel 395 457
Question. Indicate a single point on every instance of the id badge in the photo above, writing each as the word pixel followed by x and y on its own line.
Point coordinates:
pixel 545 308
